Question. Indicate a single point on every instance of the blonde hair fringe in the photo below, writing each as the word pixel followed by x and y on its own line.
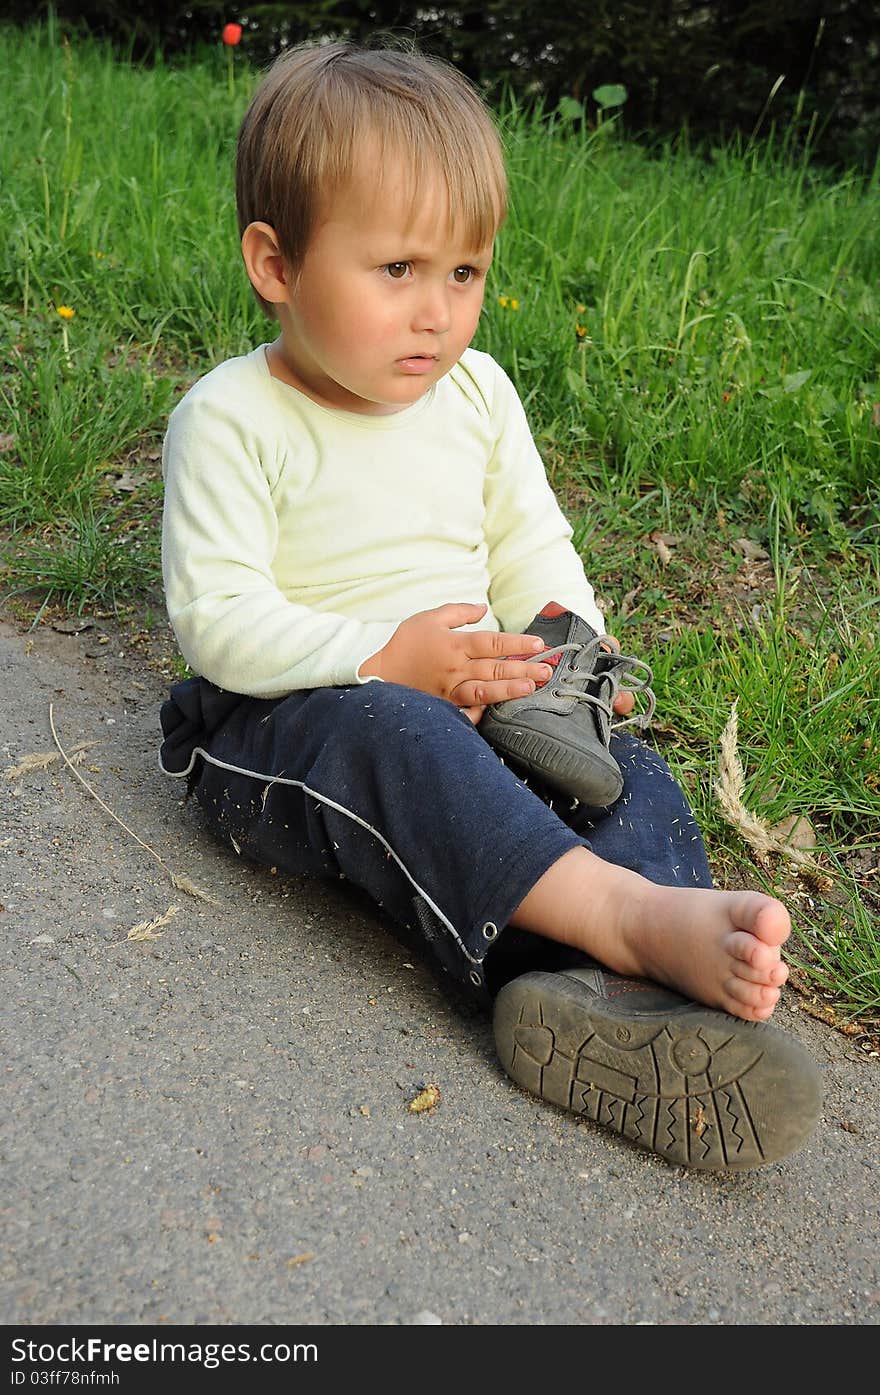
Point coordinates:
pixel 326 113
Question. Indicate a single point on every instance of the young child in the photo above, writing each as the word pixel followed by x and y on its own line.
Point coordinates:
pixel 362 554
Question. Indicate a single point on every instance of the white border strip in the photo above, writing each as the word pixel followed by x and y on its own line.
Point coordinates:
pixel 340 809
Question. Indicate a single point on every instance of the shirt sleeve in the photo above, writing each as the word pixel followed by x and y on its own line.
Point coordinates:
pixel 531 557
pixel 234 625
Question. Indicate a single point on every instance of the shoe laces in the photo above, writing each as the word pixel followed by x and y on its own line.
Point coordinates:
pixel 622 672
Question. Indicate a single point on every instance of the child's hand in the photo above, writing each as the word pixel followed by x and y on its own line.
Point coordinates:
pixel 474 714
pixel 470 669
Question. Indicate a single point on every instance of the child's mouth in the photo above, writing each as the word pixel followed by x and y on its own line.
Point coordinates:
pixel 417 363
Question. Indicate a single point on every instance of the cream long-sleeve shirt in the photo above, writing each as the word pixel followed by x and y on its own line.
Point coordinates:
pixel 297 538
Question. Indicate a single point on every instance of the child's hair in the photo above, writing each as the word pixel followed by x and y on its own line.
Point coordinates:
pixel 319 108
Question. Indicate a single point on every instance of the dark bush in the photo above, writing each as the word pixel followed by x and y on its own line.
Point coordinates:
pixel 710 67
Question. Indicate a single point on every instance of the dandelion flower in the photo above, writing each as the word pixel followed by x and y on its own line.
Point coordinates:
pixel 65 312
pixel 504 301
pixel 514 303
pixel 580 331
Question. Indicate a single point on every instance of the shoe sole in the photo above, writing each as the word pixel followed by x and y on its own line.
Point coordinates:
pixel 549 761
pixel 701 1088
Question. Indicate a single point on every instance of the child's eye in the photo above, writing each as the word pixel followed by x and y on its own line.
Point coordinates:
pixel 397 270
pixel 463 274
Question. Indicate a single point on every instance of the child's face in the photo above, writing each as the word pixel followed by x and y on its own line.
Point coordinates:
pixel 385 303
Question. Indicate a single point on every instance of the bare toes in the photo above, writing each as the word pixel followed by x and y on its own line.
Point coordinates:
pixel 746 971
pixel 764 917
pixel 774 975
pixel 752 995
pixel 761 1014
pixel 754 954
pixel 779 975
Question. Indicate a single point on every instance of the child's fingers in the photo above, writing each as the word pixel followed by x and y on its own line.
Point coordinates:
pixel 623 704
pixel 474 714
pixel 456 613
pixel 507 671
pixel 473 693
pixel 497 644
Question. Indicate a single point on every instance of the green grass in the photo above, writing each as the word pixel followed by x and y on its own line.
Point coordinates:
pixel 694 334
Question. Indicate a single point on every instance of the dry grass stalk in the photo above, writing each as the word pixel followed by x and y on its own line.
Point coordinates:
pixel 185 884
pixel 182 883
pixel 38 760
pixel 147 929
pixel 41 760
pixel 730 790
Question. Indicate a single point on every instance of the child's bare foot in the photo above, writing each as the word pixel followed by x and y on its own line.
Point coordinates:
pixel 667 1070
pixel 718 947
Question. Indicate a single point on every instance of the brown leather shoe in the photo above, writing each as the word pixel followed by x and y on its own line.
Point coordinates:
pixel 696 1085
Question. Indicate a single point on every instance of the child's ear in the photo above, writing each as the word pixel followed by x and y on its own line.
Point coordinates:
pixel 264 263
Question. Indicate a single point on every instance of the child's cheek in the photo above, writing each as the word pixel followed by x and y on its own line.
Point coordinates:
pixel 387 329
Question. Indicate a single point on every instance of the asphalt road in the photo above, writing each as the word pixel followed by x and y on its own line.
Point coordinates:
pixel 211 1126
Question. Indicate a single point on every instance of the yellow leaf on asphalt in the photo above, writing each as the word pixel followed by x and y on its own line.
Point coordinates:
pixel 427 1098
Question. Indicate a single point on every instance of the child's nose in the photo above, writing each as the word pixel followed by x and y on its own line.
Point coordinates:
pixel 432 310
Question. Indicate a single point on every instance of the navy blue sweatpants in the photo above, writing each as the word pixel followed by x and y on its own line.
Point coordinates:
pixel 398 793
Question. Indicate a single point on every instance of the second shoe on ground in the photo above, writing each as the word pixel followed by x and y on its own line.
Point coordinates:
pixel 699 1087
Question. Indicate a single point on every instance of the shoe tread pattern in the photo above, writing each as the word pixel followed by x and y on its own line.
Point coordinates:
pixel 702 1089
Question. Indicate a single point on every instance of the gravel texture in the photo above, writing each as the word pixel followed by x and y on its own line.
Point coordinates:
pixel 211 1126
